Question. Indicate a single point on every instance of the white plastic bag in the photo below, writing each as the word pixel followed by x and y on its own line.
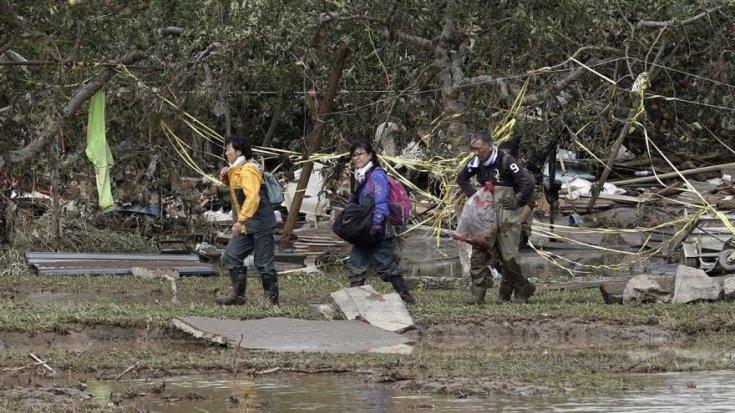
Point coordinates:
pixel 477 224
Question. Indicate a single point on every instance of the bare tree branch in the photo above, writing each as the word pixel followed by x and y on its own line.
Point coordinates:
pixel 661 24
pixel 51 127
pixel 404 37
pixel 170 31
pixel 206 53
pixel 572 77
pixel 417 41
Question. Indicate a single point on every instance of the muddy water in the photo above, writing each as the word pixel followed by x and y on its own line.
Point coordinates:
pixel 691 392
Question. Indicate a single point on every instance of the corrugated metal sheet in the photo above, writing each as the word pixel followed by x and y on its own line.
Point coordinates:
pixel 42 263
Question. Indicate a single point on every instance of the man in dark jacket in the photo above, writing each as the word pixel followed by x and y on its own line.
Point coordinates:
pixel 513 189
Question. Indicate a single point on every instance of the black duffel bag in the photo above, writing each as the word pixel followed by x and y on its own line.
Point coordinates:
pixel 353 224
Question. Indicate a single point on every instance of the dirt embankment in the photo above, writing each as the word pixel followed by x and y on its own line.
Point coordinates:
pixel 547 333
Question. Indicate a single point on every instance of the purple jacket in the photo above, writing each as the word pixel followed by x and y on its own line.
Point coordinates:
pixel 375 187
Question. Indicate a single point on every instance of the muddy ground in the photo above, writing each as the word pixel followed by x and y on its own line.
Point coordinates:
pixel 118 328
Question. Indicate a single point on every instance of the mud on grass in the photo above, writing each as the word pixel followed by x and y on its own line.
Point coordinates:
pixel 99 327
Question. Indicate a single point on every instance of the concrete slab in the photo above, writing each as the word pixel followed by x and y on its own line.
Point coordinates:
pixel 693 285
pixel 386 311
pixel 294 335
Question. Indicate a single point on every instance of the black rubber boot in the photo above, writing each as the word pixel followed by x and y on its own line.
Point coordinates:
pixel 505 291
pixel 478 295
pixel 270 288
pixel 357 283
pixel 399 284
pixel 238 278
pixel 522 288
pixel 525 291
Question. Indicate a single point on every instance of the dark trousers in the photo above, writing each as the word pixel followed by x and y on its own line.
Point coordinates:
pixel 261 245
pixel 379 257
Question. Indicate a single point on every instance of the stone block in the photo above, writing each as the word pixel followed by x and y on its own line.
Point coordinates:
pixel 693 284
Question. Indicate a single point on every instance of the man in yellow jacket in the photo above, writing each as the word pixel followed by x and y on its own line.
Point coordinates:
pixel 255 223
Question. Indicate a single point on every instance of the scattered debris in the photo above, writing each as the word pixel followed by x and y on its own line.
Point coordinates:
pixel 693 285
pixel 386 311
pixel 689 285
pixel 646 288
pixel 170 275
pixel 42 362
pixel 130 209
pixel 128 370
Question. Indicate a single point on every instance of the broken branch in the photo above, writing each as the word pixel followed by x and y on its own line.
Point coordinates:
pixel 128 370
pixel 51 127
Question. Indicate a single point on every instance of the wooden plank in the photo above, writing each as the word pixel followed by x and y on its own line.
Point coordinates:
pixel 619 198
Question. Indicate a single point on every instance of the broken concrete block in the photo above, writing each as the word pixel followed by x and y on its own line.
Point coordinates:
pixel 329 311
pixel 693 284
pixel 728 288
pixel 646 288
pixel 294 335
pixel 386 311
pixel 153 273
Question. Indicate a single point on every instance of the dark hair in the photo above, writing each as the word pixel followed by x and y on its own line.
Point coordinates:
pixel 483 136
pixel 365 146
pixel 241 143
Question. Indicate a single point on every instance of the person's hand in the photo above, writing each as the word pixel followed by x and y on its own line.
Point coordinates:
pixel 223 172
pixel 509 203
pixel 236 229
pixel 375 229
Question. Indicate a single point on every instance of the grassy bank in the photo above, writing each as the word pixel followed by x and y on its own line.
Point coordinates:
pixel 563 340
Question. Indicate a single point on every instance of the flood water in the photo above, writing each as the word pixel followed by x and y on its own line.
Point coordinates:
pixel 689 392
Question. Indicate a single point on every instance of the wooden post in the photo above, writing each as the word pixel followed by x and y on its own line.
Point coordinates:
pixel 613 155
pixel 325 106
pixel 56 192
pixel 552 184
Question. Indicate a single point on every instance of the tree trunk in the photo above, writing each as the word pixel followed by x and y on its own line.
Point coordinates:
pixel 315 138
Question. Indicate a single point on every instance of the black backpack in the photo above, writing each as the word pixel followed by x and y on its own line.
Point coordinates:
pixel 353 224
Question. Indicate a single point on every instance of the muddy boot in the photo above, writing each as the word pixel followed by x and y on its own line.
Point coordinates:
pixel 522 288
pixel 238 277
pixel 478 295
pixel 270 289
pixel 357 283
pixel 399 284
pixel 505 292
pixel 525 291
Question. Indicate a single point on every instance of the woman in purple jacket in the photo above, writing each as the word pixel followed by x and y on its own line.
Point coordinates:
pixel 370 184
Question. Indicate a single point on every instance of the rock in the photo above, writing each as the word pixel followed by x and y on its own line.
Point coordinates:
pixel 693 284
pixel 612 292
pixel 728 288
pixel 646 288
pixel 329 311
pixel 386 311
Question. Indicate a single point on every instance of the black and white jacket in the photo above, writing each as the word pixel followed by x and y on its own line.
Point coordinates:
pixel 501 170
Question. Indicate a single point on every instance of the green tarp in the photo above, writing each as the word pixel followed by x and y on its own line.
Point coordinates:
pixel 97 149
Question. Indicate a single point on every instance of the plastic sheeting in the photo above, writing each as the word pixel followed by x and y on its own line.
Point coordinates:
pixel 97 149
